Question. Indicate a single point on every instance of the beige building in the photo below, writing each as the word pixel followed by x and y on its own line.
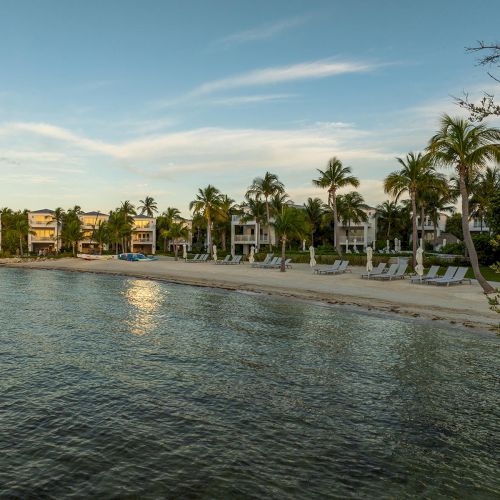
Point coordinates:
pixel 144 235
pixel 245 234
pixel 90 223
pixel 45 233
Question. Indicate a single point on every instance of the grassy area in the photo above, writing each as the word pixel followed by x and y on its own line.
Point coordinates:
pixel 487 272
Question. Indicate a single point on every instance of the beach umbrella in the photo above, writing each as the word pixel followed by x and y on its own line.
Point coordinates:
pixel 214 251
pixel 312 261
pixel 346 245
pixel 303 245
pixel 355 245
pixel 184 251
pixel 444 242
pixel 419 268
pixel 387 245
pixel 251 257
pixel 369 257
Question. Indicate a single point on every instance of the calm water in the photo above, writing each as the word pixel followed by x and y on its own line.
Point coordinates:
pixel 113 387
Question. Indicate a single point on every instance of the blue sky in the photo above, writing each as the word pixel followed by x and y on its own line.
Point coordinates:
pixel 106 101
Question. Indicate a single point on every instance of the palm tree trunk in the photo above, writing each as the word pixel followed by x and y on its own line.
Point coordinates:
pixel 223 237
pixel 268 225
pixel 469 244
pixel 336 222
pixel 283 254
pixel 312 238
pixel 21 244
pixel 209 236
pixel 414 222
pixel 175 251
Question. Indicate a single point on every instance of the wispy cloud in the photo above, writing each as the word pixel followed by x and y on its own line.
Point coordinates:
pixel 303 71
pixel 262 32
pixel 250 99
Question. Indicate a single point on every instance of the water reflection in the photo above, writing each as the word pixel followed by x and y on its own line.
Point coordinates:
pixel 146 298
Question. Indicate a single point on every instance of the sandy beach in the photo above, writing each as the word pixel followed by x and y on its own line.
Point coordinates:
pixel 463 305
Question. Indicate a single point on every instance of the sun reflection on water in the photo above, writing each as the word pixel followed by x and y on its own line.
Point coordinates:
pixel 146 299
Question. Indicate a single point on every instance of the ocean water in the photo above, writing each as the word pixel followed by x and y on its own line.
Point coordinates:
pixel 116 387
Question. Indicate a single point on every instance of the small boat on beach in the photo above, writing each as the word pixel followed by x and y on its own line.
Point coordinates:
pixel 135 257
pixel 86 256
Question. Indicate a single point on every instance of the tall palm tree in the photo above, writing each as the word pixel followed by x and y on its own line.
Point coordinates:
pixel 351 208
pixel 415 176
pixel 266 187
pixel 72 232
pixel 334 177
pixel 313 209
pixel 278 202
pixel 254 209
pixel 58 218
pixel 483 190
pixel 288 224
pixel 467 148
pixel 148 207
pixel 388 218
pixel 176 231
pixel 127 211
pixel 21 228
pixel 164 221
pixel 207 203
pixel 223 217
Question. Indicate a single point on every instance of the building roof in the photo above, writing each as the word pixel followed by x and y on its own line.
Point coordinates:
pixel 43 211
pixel 94 213
pixel 143 217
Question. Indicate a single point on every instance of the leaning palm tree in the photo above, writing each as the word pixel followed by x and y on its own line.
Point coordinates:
pixel 266 187
pixel 148 207
pixel 468 148
pixel 313 209
pixel 289 224
pixel 351 208
pixel 416 174
pixel 207 203
pixel 334 177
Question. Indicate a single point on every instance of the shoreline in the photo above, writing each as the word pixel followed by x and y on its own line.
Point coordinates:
pixel 299 283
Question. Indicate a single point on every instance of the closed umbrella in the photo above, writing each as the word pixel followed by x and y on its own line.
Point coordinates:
pixel 184 251
pixel 387 246
pixel 312 261
pixel 214 251
pixel 355 244
pixel 419 268
pixel 369 257
pixel 251 257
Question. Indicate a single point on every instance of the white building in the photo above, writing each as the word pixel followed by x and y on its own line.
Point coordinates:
pixel 144 235
pixel 430 232
pixel 45 233
pixel 478 225
pixel 362 233
pixel 245 234
pixel 90 222
pixel 188 224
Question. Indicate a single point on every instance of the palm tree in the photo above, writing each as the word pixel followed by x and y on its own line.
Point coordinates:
pixel 72 232
pixel 313 209
pixel 58 218
pixel 100 234
pixel 127 211
pixel 388 218
pixel 468 148
pixel 415 175
pixel 351 208
pixel 21 228
pixel 266 187
pixel 165 220
pixel 148 207
pixel 483 190
pixel 226 209
pixel 278 202
pixel 334 177
pixel 254 209
pixel 207 203
pixel 176 232
pixel 288 224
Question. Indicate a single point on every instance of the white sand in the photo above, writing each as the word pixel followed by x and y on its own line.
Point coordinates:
pixel 460 304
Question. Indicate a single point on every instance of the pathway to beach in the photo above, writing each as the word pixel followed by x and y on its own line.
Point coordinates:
pixel 462 305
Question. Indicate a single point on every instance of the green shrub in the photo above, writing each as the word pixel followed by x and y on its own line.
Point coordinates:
pixel 487 254
pixel 453 248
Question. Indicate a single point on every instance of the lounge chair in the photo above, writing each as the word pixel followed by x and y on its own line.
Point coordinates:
pixel 449 273
pixel 195 258
pixel 327 269
pixel 376 271
pixel 268 259
pixel 271 263
pixel 226 259
pixel 203 258
pixel 431 274
pixel 236 260
pixel 390 272
pixel 458 277
pixel 342 268
pixel 288 263
pixel 398 275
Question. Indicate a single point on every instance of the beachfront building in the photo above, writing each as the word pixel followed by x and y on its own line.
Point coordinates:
pixel 359 235
pixel 45 233
pixel 478 225
pixel 144 235
pixel 90 223
pixel 248 233
pixel 432 233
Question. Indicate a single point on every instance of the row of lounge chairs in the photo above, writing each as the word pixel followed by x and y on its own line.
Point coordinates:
pixel 338 267
pixel 394 272
pixel 229 260
pixel 271 262
pixel 199 257
pixel 452 276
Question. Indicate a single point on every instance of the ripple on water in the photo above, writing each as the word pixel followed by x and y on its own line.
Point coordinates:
pixel 119 387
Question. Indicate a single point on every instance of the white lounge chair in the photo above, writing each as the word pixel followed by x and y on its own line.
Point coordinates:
pixel 226 259
pixel 327 269
pixel 449 273
pixel 236 260
pixel 271 263
pixel 390 272
pixel 195 258
pixel 431 274
pixel 456 279
pixel 343 268
pixel 376 271
pixel 268 259
pixel 398 275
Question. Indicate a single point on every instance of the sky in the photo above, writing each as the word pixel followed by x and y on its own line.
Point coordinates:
pixel 102 102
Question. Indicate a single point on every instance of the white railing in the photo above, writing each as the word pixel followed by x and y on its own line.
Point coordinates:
pixel 249 238
pixel 142 240
pixel 51 238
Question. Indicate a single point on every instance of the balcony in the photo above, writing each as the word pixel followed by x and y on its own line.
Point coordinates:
pixel 142 240
pixel 250 238
pixel 49 238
